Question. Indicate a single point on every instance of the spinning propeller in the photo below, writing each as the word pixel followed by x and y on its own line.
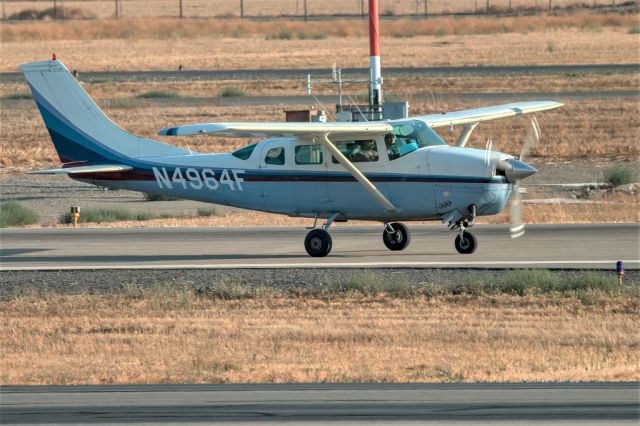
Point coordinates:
pixel 515 209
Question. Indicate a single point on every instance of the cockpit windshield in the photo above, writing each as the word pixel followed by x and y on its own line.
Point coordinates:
pixel 245 152
pixel 410 135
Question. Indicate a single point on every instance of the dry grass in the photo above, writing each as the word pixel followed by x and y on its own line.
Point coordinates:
pixel 82 49
pixel 166 28
pixel 176 337
pixel 226 8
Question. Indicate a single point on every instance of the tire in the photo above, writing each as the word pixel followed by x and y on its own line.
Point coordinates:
pixel 318 243
pixel 467 244
pixel 399 239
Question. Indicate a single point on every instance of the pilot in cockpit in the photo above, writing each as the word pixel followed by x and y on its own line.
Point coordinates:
pixel 392 148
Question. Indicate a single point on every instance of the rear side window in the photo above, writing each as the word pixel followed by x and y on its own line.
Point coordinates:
pixel 308 154
pixel 275 156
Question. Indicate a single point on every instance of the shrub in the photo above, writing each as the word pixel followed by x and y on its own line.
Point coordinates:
pixel 52 13
pixel 207 212
pixel 158 197
pixel 123 103
pixel 321 35
pixel 282 35
pixel 100 215
pixel 158 94
pixel 15 214
pixel 17 95
pixel 232 92
pixel 441 32
pixel 619 175
pixel 634 29
pixel 369 283
pixel 228 291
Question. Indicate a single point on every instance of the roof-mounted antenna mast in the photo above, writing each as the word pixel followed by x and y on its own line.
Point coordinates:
pixel 375 74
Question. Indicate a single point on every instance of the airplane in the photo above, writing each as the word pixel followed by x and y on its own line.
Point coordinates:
pixel 385 171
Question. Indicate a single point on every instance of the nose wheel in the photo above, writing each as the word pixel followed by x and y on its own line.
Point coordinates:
pixel 465 241
pixel 396 236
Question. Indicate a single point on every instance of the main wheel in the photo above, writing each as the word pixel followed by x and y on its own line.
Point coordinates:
pixel 467 243
pixel 398 239
pixel 318 243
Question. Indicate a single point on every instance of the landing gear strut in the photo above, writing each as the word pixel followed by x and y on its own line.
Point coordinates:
pixel 396 236
pixel 318 241
pixel 466 242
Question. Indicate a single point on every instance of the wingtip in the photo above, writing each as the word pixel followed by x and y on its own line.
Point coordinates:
pixel 169 131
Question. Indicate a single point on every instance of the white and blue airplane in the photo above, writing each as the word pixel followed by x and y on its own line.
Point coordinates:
pixel 384 171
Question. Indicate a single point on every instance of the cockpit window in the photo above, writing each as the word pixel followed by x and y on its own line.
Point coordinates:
pixel 358 151
pixel 245 152
pixel 407 136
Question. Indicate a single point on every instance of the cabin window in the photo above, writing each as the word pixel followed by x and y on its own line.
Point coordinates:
pixel 245 152
pixel 308 154
pixel 358 151
pixel 407 136
pixel 275 156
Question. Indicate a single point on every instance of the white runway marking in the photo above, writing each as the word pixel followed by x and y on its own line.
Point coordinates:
pixel 629 264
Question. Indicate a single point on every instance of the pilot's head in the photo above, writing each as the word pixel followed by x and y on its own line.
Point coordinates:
pixel 368 145
pixel 389 139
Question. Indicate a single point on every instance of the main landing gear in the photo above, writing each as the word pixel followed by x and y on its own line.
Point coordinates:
pixel 318 241
pixel 465 241
pixel 396 236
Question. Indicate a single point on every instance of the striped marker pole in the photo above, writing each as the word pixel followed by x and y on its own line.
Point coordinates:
pixel 375 74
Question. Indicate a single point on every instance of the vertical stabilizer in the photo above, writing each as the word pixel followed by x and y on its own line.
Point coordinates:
pixel 79 129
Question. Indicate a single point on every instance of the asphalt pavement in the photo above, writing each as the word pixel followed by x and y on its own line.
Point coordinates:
pixel 543 246
pixel 484 403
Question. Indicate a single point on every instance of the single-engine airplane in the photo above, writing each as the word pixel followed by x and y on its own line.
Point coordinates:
pixel 385 171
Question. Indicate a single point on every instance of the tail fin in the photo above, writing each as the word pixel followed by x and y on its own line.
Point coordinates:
pixel 80 131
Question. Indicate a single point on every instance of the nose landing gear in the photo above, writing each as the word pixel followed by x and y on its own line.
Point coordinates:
pixel 466 242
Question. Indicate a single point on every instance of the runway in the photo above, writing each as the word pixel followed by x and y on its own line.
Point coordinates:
pixel 543 246
pixel 569 403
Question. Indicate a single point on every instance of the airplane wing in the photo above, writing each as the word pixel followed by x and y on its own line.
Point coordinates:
pixel 284 129
pixel 371 128
pixel 101 168
pixel 477 115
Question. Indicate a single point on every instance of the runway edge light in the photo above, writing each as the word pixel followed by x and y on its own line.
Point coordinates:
pixel 620 271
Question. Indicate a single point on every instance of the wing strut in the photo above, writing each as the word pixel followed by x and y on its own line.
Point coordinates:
pixel 356 173
pixel 464 137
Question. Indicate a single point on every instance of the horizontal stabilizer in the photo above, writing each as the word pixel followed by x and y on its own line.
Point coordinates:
pixel 100 168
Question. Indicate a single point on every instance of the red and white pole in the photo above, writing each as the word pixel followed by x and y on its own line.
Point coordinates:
pixel 375 74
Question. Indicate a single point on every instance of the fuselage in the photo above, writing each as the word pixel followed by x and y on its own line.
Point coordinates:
pixel 300 178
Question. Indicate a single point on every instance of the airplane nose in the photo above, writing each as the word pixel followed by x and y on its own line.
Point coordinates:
pixel 514 169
